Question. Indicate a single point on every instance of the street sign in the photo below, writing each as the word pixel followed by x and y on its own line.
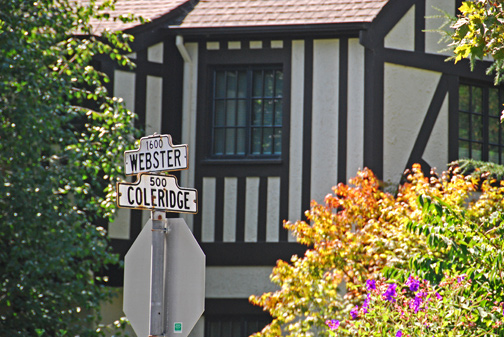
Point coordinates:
pixel 156 154
pixel 184 286
pixel 157 192
pixel 167 296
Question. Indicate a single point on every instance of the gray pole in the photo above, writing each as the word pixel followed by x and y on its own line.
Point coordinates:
pixel 157 274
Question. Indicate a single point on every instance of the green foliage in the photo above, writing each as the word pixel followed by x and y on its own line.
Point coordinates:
pixel 478 32
pixel 488 170
pixel 473 246
pixel 420 308
pixel 61 140
pixel 449 224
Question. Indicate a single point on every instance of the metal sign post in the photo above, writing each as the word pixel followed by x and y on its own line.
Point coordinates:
pixel 177 269
pixel 157 273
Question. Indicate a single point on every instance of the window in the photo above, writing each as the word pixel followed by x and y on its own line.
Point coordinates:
pixel 481 135
pixel 234 326
pixel 247 112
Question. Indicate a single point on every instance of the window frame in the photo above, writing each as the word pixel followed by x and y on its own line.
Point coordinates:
pixel 487 118
pixel 249 98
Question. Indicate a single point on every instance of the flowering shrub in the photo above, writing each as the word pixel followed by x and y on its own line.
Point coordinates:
pixel 360 231
pixel 418 308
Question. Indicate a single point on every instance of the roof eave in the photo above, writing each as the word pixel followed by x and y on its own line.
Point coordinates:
pixel 350 29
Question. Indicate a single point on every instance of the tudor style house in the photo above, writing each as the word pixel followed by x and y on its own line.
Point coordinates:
pixel 279 100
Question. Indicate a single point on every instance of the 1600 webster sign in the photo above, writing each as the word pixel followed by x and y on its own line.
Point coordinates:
pixel 157 192
pixel 156 154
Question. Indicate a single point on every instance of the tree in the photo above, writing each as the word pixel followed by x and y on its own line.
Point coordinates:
pixel 478 31
pixel 61 140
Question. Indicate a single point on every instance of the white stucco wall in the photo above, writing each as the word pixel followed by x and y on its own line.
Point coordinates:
pixel 355 123
pixel 296 131
pixel 324 158
pixel 434 20
pixel 124 87
pixel 207 209
pixel 407 95
pixel 251 208
pixel 230 198
pixel 155 53
pixel 402 36
pixel 436 152
pixel 189 105
pixel 154 102
pixel 238 282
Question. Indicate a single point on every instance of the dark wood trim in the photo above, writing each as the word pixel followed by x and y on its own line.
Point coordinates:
pixel 264 56
pixel 429 121
pixel 307 124
pixel 243 170
pixel 386 19
pixel 202 121
pixel 173 82
pixel 453 120
pixel 250 253
pixel 275 32
pixel 140 90
pixel 231 306
pixel 135 224
pixel 262 209
pixel 373 111
pixel 343 111
pixel 436 62
pixel 219 209
pixel 286 118
pixel 458 3
pixel 240 209
pixel 420 26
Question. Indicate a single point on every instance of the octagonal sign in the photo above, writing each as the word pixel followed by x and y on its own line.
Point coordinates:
pixel 184 281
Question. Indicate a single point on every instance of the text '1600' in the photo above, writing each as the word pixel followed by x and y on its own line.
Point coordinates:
pixel 156 154
pixel 157 192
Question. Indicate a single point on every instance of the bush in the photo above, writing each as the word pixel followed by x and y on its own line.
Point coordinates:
pixel 362 231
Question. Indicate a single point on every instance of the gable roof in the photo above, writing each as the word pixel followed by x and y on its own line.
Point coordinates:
pixel 149 10
pixel 246 13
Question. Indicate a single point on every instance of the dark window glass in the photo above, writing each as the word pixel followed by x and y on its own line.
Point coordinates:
pixel 234 326
pixel 480 130
pixel 247 112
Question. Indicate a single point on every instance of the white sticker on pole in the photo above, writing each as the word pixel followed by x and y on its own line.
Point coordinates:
pixel 157 192
pixel 156 154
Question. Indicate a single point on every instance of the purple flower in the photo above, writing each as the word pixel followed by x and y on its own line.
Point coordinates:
pixel 371 284
pixel 365 305
pixel 439 297
pixel 355 312
pixel 390 293
pixel 333 324
pixel 398 333
pixel 413 284
pixel 415 304
pixel 460 279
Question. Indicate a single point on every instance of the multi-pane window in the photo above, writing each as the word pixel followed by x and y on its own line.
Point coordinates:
pixel 481 136
pixel 247 112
